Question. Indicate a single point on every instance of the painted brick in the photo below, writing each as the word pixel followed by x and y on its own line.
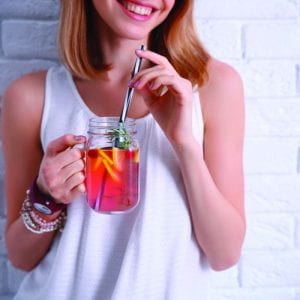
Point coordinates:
pixel 270 232
pixel 298 162
pixel 298 294
pixel 29 9
pixel 270 155
pixel 29 39
pixel 268 269
pixel 298 79
pixel 3 280
pixel 6 297
pixel 222 39
pixel 272 193
pixel 2 242
pixel 15 68
pixel 1 162
pixel 1 48
pixel 2 171
pixel 255 294
pixel 261 42
pixel 269 79
pixel 297 232
pixel 244 9
pixel 226 279
pixel 273 117
pixel 2 201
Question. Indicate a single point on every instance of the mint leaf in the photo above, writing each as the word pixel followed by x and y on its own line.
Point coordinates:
pixel 120 137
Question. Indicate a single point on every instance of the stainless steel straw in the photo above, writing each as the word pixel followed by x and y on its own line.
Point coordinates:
pixel 130 90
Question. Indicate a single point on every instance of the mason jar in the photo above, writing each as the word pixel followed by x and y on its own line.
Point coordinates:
pixel 112 165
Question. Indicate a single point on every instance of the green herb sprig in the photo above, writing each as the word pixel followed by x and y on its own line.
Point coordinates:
pixel 120 137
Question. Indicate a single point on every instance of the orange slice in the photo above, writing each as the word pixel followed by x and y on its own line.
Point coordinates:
pixel 97 163
pixel 118 156
pixel 136 157
pixel 113 174
pixel 105 156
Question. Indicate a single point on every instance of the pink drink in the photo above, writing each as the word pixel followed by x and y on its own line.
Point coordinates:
pixel 112 179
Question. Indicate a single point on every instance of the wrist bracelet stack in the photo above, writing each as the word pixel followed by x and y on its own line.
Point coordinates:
pixel 43 203
pixel 32 220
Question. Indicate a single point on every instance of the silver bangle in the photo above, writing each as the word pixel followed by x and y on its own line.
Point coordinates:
pixel 34 223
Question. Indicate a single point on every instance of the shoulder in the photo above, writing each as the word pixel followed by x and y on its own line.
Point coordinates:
pixel 223 89
pixel 27 87
pixel 221 78
pixel 25 93
pixel 23 103
pixel 217 69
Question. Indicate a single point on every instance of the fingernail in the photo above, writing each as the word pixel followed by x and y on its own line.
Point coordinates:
pixel 130 83
pixel 139 51
pixel 136 84
pixel 79 138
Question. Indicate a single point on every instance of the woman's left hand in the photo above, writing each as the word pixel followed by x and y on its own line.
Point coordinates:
pixel 168 96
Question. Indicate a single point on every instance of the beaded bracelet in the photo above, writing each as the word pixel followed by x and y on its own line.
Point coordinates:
pixel 34 223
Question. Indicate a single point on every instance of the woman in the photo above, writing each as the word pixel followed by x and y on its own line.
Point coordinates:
pixel 191 213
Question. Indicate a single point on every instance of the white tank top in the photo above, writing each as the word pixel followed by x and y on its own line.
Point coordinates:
pixel 149 253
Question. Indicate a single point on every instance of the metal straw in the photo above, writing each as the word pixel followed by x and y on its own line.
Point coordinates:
pixel 130 90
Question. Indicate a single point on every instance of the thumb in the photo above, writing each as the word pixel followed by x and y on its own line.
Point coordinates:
pixel 64 142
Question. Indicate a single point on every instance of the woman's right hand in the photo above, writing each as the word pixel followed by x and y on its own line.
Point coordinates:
pixel 61 172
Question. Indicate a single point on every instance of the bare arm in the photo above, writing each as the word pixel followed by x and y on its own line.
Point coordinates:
pixel 24 160
pixel 214 180
pixel 22 110
pixel 213 173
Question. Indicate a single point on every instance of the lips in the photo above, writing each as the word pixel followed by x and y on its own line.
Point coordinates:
pixel 137 9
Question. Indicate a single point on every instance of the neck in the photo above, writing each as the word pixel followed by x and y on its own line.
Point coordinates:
pixel 121 56
pixel 119 52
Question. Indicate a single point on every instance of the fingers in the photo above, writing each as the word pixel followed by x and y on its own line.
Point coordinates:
pixel 158 82
pixel 68 183
pixel 61 172
pixel 71 169
pixel 68 156
pixel 76 182
pixel 71 188
pixel 161 91
pixel 155 58
pixel 64 142
pixel 160 78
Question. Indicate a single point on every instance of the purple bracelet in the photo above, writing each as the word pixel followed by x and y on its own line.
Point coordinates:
pixel 43 203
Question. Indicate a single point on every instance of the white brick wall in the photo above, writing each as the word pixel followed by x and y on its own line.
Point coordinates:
pixel 262 40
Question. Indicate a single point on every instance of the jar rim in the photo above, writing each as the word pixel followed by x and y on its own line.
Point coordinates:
pixel 115 120
pixel 99 124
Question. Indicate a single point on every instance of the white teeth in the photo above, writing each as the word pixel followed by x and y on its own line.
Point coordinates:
pixel 137 9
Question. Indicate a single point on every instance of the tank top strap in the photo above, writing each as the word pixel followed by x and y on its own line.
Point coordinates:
pixel 63 111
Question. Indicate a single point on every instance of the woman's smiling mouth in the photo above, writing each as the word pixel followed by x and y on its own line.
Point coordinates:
pixel 136 8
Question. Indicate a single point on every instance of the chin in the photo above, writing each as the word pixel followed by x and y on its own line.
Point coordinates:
pixel 134 35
